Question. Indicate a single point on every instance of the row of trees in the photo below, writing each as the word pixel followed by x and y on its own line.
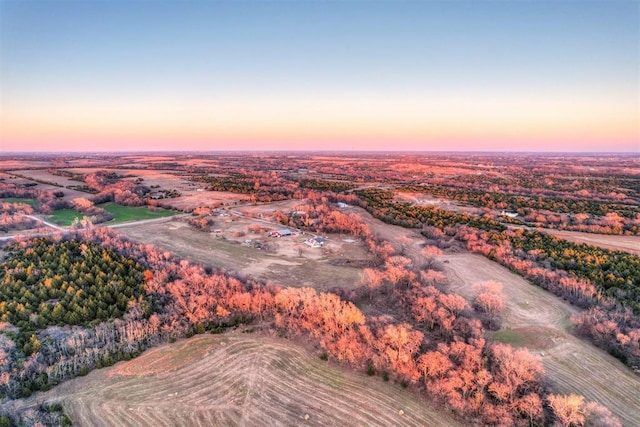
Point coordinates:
pixel 380 204
pixel 614 274
pixel 568 203
pixel 587 276
pixel 566 270
pixel 564 213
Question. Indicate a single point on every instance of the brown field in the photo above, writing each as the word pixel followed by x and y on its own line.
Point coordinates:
pixel 291 263
pixel 11 164
pixel 193 194
pixel 69 194
pixel 238 379
pixel 424 199
pixel 43 175
pixel 192 198
pixel 265 209
pixel 629 244
pixel 539 321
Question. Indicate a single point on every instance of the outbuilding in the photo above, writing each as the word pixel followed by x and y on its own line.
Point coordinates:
pixel 315 242
pixel 281 233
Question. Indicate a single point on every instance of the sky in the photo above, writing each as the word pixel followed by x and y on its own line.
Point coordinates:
pixel 178 75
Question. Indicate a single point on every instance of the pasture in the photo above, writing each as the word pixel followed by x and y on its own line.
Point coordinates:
pixel 65 217
pixel 30 202
pixel 130 213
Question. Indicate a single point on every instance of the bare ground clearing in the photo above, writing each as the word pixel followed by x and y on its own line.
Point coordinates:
pixel 423 199
pixel 267 209
pixel 539 320
pixel 44 175
pixel 629 244
pixel 291 264
pixel 69 194
pixel 238 379
pixel 11 164
pixel 192 198
pixel 193 194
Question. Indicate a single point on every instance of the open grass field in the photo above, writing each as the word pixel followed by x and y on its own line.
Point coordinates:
pixel 539 321
pixel 30 202
pixel 629 244
pixel 238 379
pixel 129 213
pixel 64 217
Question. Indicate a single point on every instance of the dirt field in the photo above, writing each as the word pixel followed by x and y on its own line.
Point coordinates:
pixel 192 198
pixel 539 320
pixel 43 175
pixel 193 194
pixel 69 194
pixel 424 199
pixel 266 209
pixel 10 164
pixel 238 379
pixel 629 244
pixel 291 263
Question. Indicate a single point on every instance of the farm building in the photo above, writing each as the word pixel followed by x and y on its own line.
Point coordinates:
pixel 342 205
pixel 315 242
pixel 281 233
pixel 509 214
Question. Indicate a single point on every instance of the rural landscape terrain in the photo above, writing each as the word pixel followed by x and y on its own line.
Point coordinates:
pixel 405 289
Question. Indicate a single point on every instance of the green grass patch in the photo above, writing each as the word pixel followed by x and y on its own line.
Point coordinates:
pixel 65 216
pixel 30 202
pixel 508 336
pixel 128 213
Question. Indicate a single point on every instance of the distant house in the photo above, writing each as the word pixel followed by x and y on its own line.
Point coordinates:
pixel 281 233
pixel 342 205
pixel 315 242
pixel 509 214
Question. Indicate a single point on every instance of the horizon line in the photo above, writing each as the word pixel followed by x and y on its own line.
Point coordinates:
pixel 310 151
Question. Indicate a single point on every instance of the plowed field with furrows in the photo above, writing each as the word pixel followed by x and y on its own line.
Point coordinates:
pixel 238 379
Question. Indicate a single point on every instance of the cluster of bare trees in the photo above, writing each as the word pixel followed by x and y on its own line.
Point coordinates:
pixel 13 217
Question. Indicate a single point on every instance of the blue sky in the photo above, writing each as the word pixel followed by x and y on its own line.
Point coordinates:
pixel 415 74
